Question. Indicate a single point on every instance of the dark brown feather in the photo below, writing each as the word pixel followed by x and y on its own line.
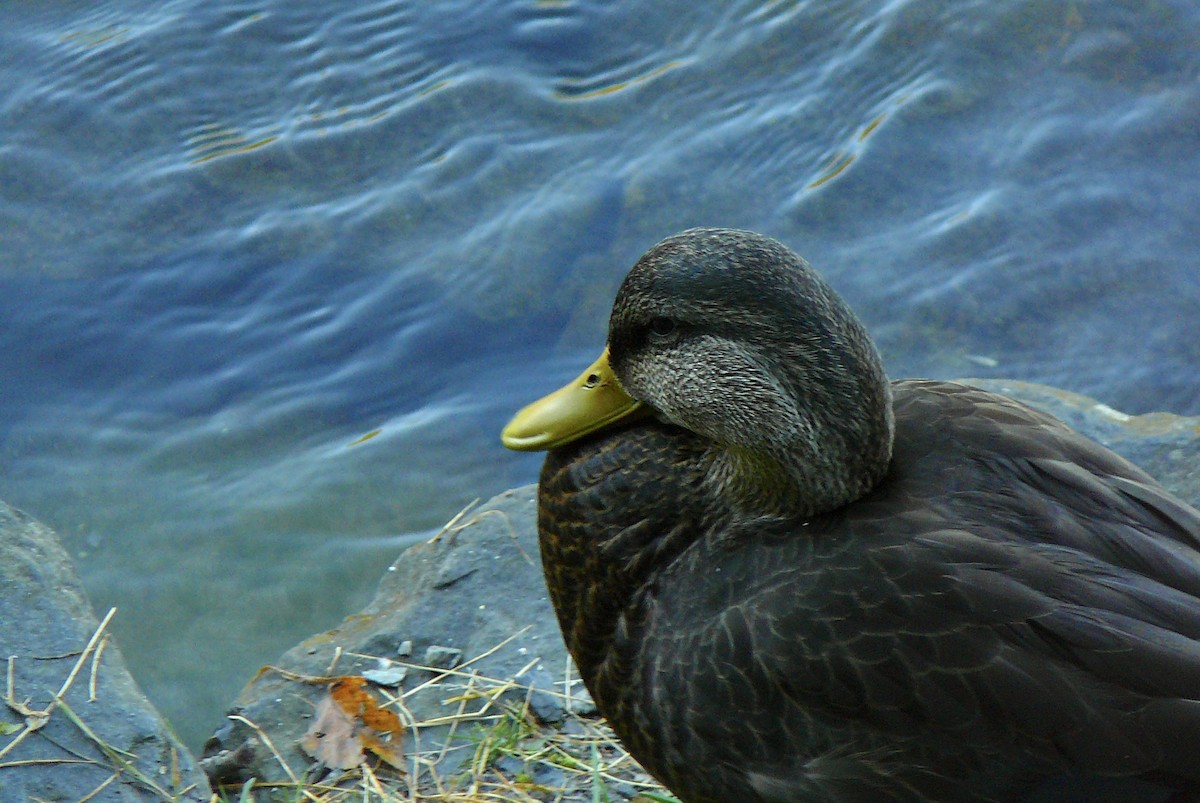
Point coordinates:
pixel 1011 604
pixel 813 585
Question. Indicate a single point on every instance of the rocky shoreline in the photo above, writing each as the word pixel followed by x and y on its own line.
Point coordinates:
pixel 460 641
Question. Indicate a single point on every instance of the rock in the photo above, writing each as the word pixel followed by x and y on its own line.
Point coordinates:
pixel 119 748
pixel 477 588
pixel 442 657
pixel 470 604
pixel 386 674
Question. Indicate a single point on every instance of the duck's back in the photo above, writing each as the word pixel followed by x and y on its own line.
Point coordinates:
pixel 1013 603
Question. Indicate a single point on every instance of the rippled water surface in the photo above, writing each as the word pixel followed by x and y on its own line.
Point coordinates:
pixel 235 237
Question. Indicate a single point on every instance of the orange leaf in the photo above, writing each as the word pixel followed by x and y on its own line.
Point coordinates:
pixel 350 719
pixel 351 694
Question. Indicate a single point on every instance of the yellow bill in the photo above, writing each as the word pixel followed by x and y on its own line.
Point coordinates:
pixel 591 402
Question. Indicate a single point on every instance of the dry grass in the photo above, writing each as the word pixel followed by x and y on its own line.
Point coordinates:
pixel 119 763
pixel 515 758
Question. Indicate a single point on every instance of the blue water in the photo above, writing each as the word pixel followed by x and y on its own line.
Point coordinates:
pixel 235 237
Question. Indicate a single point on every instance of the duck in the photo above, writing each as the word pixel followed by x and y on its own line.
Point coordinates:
pixel 784 577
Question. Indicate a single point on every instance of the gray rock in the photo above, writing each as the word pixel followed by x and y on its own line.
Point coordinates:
pixel 442 657
pixel 119 748
pixel 478 588
pixel 387 673
pixel 475 592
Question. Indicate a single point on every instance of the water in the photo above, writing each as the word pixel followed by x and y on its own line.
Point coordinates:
pixel 235 237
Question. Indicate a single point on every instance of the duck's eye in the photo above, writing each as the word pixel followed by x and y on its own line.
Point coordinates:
pixel 661 327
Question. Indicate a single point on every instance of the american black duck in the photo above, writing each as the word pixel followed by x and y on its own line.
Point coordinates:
pixel 785 579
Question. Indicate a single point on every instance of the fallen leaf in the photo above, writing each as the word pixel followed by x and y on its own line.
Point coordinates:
pixel 331 738
pixel 348 720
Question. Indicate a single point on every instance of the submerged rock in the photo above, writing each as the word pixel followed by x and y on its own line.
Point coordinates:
pixel 76 725
pixel 477 588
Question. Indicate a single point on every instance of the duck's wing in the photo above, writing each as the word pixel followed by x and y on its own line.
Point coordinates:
pixel 920 665
pixel 1038 606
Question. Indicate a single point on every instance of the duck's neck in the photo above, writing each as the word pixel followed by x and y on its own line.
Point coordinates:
pixel 820 466
pixel 758 484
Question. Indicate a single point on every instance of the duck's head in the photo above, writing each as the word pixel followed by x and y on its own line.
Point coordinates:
pixel 733 336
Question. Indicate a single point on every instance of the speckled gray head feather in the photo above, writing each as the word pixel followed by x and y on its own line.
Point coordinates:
pixel 735 337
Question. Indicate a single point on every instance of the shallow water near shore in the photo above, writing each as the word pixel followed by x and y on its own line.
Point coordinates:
pixel 237 237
